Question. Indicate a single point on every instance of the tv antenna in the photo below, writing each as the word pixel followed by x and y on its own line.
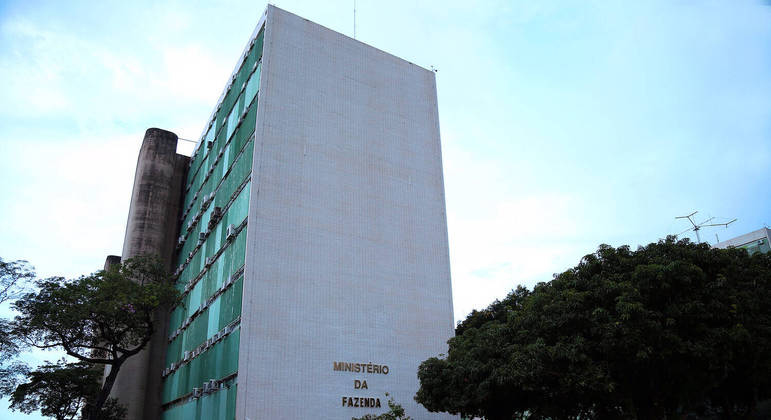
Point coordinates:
pixel 354 19
pixel 696 227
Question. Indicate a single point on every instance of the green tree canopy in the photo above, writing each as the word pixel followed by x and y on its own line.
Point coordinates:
pixel 669 329
pixel 101 319
pixel 15 279
pixel 62 390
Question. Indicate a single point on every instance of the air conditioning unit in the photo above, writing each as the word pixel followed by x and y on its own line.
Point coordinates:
pixel 197 393
pixel 231 232
pixel 187 356
pixel 209 144
pixel 213 385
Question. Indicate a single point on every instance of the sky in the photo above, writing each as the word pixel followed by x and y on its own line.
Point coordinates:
pixel 565 124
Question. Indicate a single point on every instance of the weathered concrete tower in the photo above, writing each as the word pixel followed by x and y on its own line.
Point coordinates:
pixel 151 229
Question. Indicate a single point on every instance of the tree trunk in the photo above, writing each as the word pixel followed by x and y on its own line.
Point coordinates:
pixel 105 391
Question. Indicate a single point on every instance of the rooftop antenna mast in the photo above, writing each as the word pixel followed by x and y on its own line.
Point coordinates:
pixel 696 227
pixel 354 19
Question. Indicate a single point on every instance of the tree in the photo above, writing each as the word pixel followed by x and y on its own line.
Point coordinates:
pixel 395 412
pixel 15 277
pixel 62 390
pixel 101 319
pixel 670 329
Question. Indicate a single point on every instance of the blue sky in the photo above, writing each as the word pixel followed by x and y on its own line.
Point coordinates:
pixel 565 124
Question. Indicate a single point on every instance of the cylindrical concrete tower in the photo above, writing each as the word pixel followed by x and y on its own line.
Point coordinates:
pixel 152 229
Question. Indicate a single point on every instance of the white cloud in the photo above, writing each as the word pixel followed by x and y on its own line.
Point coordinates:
pixel 192 73
pixel 61 229
pixel 518 241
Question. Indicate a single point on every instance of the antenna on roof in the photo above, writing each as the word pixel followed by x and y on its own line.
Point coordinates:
pixel 354 19
pixel 696 227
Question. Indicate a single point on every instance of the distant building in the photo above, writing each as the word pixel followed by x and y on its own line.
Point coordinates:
pixel 755 241
pixel 308 236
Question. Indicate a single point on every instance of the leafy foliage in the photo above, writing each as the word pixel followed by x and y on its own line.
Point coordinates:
pixel 15 278
pixel 101 319
pixel 669 329
pixel 61 390
pixel 395 412
pixel 10 374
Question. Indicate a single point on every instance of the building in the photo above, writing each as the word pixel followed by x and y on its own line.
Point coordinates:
pixel 307 233
pixel 755 241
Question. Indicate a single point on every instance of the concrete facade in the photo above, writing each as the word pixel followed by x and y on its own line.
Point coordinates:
pixel 312 254
pixel 347 255
pixel 151 229
pixel 755 241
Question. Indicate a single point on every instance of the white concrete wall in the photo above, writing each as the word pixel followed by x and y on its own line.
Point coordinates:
pixel 347 255
pixel 763 233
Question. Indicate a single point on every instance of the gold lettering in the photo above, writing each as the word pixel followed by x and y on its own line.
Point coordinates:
pixel 360 367
pixel 362 402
